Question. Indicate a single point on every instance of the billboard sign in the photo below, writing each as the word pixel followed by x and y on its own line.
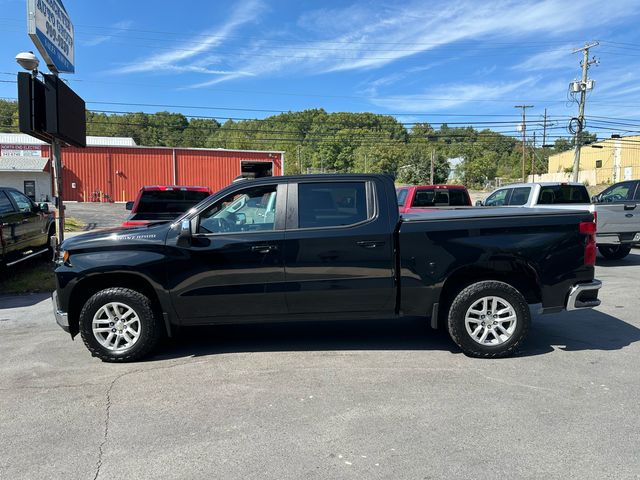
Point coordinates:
pixel 51 31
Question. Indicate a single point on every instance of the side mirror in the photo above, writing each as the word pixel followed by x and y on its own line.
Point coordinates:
pixel 595 199
pixel 479 203
pixel 184 237
pixel 44 207
pixel 129 205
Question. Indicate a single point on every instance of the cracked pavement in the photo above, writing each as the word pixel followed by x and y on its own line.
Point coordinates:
pixel 340 400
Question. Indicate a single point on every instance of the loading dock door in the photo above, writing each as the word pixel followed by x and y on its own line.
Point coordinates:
pixel 250 169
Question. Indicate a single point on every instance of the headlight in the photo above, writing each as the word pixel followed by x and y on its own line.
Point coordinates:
pixel 63 257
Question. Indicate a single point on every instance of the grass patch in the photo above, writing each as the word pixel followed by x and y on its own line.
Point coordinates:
pixel 30 276
pixel 73 225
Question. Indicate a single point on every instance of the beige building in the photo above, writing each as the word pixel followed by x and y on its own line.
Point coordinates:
pixel 608 161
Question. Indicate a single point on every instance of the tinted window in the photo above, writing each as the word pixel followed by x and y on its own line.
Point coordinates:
pixel 331 204
pixel 424 198
pixel 5 204
pixel 520 196
pixel 563 194
pixel 23 202
pixel 402 196
pixel 169 201
pixel 251 209
pixel 497 198
pixel 458 198
pixel 617 193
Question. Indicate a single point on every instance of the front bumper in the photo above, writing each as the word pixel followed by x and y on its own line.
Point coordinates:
pixel 62 318
pixel 584 295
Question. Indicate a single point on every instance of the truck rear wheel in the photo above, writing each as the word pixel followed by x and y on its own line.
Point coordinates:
pixel 118 325
pixel 614 252
pixel 489 319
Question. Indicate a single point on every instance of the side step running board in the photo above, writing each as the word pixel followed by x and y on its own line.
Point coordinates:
pixel 27 257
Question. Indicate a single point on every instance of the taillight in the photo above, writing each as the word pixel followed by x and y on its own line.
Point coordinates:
pixel 589 229
pixel 135 223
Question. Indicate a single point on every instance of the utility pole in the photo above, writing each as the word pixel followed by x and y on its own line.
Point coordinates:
pixel 524 135
pixel 56 162
pixel 582 86
pixel 544 129
pixel 533 167
pixel 433 152
pixel 299 160
pixel 365 163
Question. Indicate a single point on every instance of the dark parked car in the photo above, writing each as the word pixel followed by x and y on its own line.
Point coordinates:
pixel 25 227
pixel 161 203
pixel 325 247
pixel 421 197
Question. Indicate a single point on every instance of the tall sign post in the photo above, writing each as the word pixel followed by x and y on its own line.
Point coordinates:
pixel 51 31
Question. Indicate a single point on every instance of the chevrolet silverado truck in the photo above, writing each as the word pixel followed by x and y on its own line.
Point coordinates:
pixel 329 247
pixel 618 218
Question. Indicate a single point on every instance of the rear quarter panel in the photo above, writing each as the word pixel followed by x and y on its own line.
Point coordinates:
pixel 548 247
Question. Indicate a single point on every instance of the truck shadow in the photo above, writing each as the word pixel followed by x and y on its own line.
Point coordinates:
pixel 571 331
pixel 630 260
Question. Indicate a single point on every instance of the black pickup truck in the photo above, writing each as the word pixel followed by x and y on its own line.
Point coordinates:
pixel 325 247
pixel 25 227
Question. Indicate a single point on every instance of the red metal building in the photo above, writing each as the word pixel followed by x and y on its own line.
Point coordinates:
pixel 117 173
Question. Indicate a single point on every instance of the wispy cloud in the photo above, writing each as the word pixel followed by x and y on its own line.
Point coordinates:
pixel 453 96
pixel 99 39
pixel 204 43
pixel 560 57
pixel 367 38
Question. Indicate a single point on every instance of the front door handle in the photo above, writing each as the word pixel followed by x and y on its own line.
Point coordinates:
pixel 264 248
pixel 630 207
pixel 369 244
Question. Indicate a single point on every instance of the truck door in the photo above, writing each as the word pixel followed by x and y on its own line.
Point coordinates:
pixel 29 227
pixel 9 219
pixel 234 266
pixel 338 248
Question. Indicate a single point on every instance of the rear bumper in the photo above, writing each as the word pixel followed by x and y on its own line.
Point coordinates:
pixel 62 318
pixel 618 238
pixel 584 295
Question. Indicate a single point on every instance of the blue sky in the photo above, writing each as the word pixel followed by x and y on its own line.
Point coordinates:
pixel 427 60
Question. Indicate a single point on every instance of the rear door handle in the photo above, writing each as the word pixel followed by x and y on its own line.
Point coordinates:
pixel 369 244
pixel 264 248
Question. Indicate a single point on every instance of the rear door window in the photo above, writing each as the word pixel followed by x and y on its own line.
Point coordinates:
pixel 334 204
pixel 519 196
pixel 618 193
pixel 563 194
pixel 5 204
pixel 169 201
pixel 498 198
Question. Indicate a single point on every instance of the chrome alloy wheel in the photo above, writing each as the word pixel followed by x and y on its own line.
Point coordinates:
pixel 490 320
pixel 116 326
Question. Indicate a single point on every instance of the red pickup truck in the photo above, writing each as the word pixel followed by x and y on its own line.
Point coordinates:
pixel 423 197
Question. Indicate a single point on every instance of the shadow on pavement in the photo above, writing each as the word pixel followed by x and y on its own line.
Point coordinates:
pixel 571 331
pixel 19 301
pixel 630 260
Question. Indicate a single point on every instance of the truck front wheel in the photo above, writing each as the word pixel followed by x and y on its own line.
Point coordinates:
pixel 489 319
pixel 118 325
pixel 614 252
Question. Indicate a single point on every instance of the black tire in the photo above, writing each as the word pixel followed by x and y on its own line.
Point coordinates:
pixel 614 252
pixel 473 294
pixel 150 328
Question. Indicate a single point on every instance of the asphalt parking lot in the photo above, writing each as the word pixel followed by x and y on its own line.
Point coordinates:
pixel 97 215
pixel 375 400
